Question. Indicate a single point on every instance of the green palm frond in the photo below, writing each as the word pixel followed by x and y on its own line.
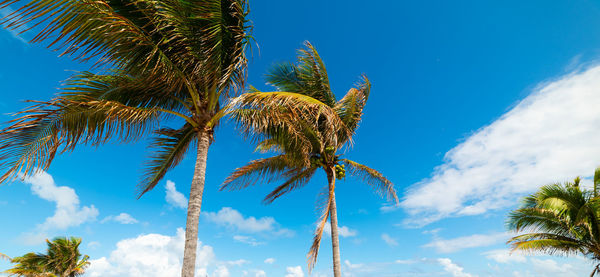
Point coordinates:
pixel 350 107
pixel 297 179
pixel 118 86
pixel 168 149
pixel 383 186
pixel 308 77
pixel 61 259
pixel 35 136
pixel 260 114
pixel 559 219
pixel 261 170
pixel 545 242
pixel 177 41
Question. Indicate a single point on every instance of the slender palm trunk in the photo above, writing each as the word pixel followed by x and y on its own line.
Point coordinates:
pixel 335 241
pixel 194 204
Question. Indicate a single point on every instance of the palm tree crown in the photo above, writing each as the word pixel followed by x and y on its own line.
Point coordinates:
pixel 303 145
pixel 156 61
pixel 61 260
pixel 559 219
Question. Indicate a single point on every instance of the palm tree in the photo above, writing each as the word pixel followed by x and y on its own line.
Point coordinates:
pixel 559 219
pixel 61 260
pixel 158 62
pixel 304 146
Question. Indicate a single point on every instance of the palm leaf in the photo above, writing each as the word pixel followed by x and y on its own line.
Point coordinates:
pixel 168 149
pixel 298 179
pixel 261 170
pixel 34 137
pixel 373 178
pixel 318 235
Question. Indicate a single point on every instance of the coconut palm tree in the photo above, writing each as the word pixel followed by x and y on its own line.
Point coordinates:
pixel 559 219
pixel 157 63
pixel 305 146
pixel 61 260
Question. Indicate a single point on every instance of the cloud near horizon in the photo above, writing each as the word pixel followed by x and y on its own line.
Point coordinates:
pixel 550 136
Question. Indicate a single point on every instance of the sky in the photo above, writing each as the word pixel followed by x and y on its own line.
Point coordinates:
pixel 474 105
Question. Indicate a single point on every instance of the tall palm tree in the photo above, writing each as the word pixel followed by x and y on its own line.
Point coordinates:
pixel 307 144
pixel 559 219
pixel 157 62
pixel 61 260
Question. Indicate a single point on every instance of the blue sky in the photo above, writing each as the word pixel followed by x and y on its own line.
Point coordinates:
pixel 474 104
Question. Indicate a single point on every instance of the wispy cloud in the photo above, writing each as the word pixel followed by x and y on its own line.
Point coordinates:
pixel 452 268
pixel 504 256
pixel 123 218
pixel 389 240
pixel 456 244
pixel 247 240
pixel 343 231
pixel 174 197
pixel 68 211
pixel 294 271
pixel 231 218
pixel 549 136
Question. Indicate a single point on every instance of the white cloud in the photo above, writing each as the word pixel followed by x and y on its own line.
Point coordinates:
pixel 389 240
pixel 260 273
pixel 68 212
pixel 550 136
pixel 152 255
pixel 269 260
pixel 472 241
pixel 343 231
pixel 221 271
pixel 93 244
pixel 386 208
pixel 549 267
pixel 174 197
pixel 352 266
pixel 295 271
pixel 504 256
pixel 233 219
pixel 452 268
pixel 123 218
pixel 247 240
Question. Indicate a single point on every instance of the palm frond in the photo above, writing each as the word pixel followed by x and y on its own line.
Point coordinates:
pixel 180 42
pixel 318 235
pixel 297 179
pixel 261 112
pixel 168 148
pixel 261 170
pixel 383 186
pixel 350 107
pixel 545 242
pixel 35 136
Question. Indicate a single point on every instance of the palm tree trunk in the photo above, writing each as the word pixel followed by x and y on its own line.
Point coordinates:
pixel 194 204
pixel 335 241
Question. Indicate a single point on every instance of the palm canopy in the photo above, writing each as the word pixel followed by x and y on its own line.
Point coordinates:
pixel 303 145
pixel 167 59
pixel 62 259
pixel 559 219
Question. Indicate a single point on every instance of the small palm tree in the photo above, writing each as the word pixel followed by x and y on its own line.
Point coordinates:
pixel 61 260
pixel 160 63
pixel 559 219
pixel 305 146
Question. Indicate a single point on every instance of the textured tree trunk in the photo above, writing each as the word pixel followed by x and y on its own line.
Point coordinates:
pixel 194 204
pixel 335 241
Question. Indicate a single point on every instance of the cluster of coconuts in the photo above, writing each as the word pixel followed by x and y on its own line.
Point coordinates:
pixel 340 171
